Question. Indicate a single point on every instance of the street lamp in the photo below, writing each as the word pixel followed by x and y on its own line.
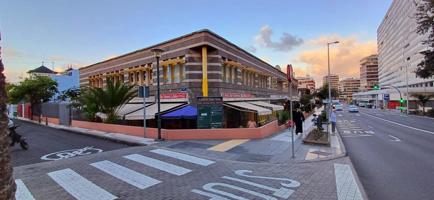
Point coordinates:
pixel 329 82
pixel 157 54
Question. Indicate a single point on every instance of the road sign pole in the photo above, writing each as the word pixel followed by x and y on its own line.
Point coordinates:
pixel 289 77
pixel 144 111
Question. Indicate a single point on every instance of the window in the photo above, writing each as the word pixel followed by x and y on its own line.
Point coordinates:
pixel 177 74
pixel 233 74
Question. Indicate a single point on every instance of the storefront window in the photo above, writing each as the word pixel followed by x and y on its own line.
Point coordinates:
pixel 233 74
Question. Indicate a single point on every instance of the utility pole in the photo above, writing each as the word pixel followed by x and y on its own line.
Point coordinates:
pixel 329 110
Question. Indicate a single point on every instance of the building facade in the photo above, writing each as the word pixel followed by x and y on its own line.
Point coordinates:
pixel 306 84
pixel 199 64
pixel 334 79
pixel 399 46
pixel 347 87
pixel 368 72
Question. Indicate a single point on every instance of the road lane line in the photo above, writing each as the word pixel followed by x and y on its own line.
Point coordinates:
pixel 225 146
pixel 184 157
pixel 346 183
pixel 78 186
pixel 157 164
pixel 132 177
pixel 22 192
pixel 395 139
pixel 410 127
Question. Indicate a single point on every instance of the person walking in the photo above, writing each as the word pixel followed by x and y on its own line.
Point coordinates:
pixel 298 118
pixel 333 120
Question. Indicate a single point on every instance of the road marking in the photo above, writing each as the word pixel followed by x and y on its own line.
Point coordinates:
pixel 288 182
pixel 157 164
pixel 346 183
pixel 22 192
pixel 278 192
pixel 213 196
pixel 356 135
pixel 395 139
pixel 209 187
pixel 418 129
pixel 71 153
pixel 78 186
pixel 127 175
pixel 225 146
pixel 184 157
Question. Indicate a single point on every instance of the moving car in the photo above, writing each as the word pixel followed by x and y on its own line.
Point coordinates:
pixel 339 107
pixel 353 108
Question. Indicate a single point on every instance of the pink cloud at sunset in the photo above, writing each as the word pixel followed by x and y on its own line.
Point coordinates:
pixel 344 57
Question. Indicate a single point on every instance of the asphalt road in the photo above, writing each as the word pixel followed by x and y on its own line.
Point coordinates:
pixel 44 140
pixel 392 154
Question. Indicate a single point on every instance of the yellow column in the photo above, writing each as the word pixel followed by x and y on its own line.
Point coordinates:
pixel 204 72
pixel 147 76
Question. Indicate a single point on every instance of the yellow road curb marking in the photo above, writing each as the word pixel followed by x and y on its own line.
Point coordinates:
pixel 225 146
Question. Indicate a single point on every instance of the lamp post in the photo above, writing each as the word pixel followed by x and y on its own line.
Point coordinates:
pixel 157 53
pixel 329 110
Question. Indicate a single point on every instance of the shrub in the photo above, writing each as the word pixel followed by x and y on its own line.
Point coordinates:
pixel 283 116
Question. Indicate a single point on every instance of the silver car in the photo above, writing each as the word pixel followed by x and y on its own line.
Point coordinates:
pixel 353 108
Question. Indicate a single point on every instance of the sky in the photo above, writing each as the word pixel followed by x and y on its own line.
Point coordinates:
pixel 78 33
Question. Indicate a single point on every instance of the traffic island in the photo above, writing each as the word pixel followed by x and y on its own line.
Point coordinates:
pixel 317 137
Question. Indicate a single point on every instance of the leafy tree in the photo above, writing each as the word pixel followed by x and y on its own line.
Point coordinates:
pixel 423 98
pixel 7 183
pixel 33 90
pixel 425 21
pixel 88 103
pixel 70 94
pixel 323 92
pixel 107 100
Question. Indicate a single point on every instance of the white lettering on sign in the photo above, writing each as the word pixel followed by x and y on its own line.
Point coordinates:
pixel 220 194
pixel 71 153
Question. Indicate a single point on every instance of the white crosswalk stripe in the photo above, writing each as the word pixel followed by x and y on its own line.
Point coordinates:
pixel 184 157
pixel 78 186
pixel 157 164
pixel 22 192
pixel 127 175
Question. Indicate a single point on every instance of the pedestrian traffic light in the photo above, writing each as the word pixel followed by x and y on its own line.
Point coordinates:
pixel 376 87
pixel 401 100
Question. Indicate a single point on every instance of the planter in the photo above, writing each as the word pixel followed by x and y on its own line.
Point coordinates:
pixel 317 137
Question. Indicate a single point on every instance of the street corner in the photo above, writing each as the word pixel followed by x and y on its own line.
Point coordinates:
pixel 164 173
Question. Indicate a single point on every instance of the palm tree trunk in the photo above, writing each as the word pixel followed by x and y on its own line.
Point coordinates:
pixel 7 183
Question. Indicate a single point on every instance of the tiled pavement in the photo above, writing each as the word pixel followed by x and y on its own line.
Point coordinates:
pixel 156 173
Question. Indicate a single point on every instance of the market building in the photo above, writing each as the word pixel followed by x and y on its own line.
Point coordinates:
pixel 199 64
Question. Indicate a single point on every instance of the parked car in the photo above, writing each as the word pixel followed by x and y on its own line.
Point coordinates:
pixel 339 107
pixel 353 108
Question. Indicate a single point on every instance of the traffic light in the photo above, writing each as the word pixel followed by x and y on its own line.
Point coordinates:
pixel 401 100
pixel 376 87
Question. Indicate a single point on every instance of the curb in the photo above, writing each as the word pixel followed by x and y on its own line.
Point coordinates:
pixel 107 136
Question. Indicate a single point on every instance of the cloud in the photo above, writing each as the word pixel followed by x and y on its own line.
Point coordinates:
pixel 11 53
pixel 344 57
pixel 286 43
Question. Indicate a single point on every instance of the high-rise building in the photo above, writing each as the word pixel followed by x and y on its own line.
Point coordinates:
pixel 306 84
pixel 368 72
pixel 348 87
pixel 334 79
pixel 399 46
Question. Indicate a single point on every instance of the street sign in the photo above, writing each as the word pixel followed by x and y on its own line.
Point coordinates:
pixel 289 73
pixel 386 97
pixel 143 91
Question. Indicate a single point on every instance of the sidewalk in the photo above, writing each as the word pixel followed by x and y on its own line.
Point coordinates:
pixel 118 137
pixel 274 149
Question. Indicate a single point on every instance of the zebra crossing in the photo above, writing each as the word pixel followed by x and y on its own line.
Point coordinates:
pixel 349 128
pixel 81 188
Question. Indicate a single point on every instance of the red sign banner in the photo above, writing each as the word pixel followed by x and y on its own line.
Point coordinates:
pixel 178 95
pixel 236 95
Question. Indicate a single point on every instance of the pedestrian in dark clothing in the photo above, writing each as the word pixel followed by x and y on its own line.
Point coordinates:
pixel 298 119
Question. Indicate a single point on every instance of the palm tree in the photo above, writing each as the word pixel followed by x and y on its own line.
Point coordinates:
pixel 112 98
pixel 7 184
pixel 423 98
